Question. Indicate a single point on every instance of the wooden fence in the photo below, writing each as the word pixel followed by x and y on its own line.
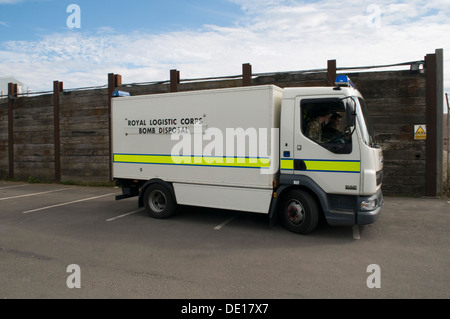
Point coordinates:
pixel 65 136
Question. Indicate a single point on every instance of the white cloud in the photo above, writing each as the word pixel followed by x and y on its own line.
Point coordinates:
pixel 272 36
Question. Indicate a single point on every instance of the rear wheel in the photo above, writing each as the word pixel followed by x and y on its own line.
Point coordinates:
pixel 159 202
pixel 300 213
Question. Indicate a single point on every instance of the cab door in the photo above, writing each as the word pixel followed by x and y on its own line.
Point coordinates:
pixel 332 163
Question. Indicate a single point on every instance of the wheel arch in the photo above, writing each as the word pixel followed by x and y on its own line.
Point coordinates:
pixel 300 182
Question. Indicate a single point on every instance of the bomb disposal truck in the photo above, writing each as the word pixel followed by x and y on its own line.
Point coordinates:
pixel 251 149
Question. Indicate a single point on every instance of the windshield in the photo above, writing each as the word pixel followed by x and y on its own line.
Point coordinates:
pixel 365 123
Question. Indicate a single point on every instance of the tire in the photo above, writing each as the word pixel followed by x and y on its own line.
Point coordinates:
pixel 300 212
pixel 159 202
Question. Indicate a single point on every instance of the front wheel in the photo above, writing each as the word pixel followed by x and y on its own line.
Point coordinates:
pixel 300 212
pixel 159 202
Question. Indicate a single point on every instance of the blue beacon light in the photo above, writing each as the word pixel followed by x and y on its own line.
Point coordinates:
pixel 344 80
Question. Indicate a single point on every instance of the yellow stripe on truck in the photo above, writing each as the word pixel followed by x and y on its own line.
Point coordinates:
pixel 322 165
pixel 333 166
pixel 287 164
pixel 243 162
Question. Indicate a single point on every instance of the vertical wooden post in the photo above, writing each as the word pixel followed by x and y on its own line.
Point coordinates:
pixel 57 88
pixel 434 114
pixel 246 74
pixel 331 72
pixel 117 80
pixel 431 169
pixel 12 95
pixel 114 80
pixel 439 120
pixel 174 80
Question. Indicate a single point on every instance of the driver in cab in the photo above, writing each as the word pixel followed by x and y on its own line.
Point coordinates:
pixel 331 130
pixel 314 128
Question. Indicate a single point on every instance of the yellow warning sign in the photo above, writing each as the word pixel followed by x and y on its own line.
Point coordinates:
pixel 420 132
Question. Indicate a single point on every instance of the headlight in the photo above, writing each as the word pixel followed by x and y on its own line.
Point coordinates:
pixel 369 204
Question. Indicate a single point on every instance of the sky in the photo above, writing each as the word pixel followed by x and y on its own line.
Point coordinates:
pixel 80 41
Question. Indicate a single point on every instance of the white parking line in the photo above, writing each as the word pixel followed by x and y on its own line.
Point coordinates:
pixel 68 203
pixel 218 227
pixel 123 215
pixel 22 185
pixel 34 194
pixel 356 234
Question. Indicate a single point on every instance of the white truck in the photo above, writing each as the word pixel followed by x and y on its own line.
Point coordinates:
pixel 258 149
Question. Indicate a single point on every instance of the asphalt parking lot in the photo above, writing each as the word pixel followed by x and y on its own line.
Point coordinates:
pixel 120 252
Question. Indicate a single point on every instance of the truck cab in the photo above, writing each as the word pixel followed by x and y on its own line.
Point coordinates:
pixel 329 160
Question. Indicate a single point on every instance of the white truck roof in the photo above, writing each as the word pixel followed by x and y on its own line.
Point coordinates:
pixel 291 93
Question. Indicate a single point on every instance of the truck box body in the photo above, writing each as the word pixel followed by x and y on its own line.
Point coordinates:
pixel 215 171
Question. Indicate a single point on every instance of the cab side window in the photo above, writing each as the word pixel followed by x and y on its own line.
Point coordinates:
pixel 323 121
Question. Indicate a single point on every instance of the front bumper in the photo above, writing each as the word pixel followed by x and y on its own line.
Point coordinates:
pixel 366 217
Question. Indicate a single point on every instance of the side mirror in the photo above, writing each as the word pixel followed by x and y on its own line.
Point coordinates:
pixel 350 111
